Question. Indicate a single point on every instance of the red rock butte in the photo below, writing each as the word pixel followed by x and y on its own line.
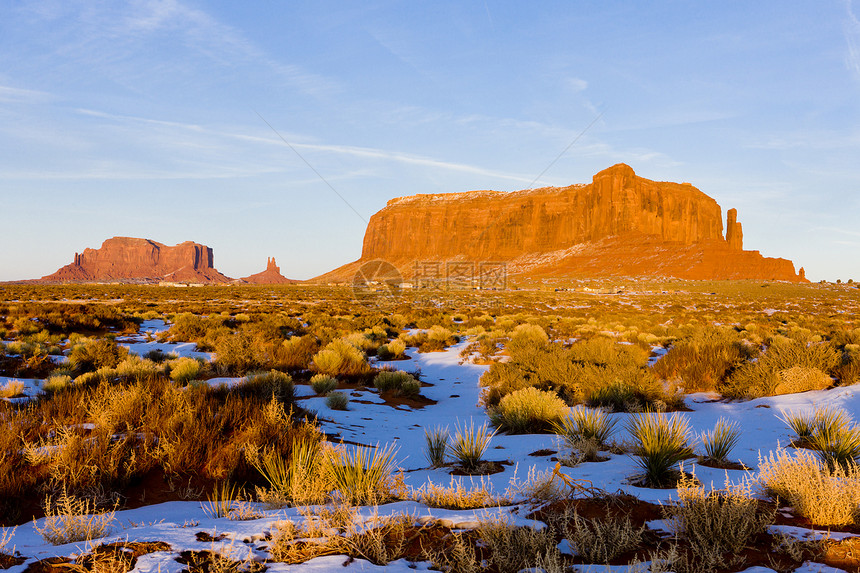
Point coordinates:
pixel 127 259
pixel 271 276
pixel 618 225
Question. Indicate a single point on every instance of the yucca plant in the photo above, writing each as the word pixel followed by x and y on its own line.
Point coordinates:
pixel 661 442
pixel 219 503
pixel 300 478
pixel 585 424
pixel 836 438
pixel 719 442
pixel 437 445
pixel 469 445
pixel 803 425
pixel 363 475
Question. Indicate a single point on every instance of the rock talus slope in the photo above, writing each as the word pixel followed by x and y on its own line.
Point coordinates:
pixel 132 259
pixel 618 225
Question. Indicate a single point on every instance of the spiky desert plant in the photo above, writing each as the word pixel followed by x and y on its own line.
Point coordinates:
pixel 70 519
pixel 220 501
pixel 719 442
pixel 803 425
pixel 836 438
pixel 661 442
pixel 437 445
pixel 301 478
pixel 363 475
pixel 586 424
pixel 470 444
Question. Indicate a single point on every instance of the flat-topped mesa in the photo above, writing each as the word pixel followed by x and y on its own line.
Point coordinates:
pixel 492 225
pixel 271 276
pixel 616 225
pixel 144 260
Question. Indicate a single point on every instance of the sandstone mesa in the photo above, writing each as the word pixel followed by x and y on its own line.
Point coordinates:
pixel 618 225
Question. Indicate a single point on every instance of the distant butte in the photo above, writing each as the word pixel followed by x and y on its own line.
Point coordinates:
pixel 271 276
pixel 127 259
pixel 618 225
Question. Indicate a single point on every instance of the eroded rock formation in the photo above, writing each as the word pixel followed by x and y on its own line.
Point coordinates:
pixel 618 225
pixel 142 260
pixel 271 276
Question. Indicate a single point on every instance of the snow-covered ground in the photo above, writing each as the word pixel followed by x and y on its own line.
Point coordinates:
pixel 456 391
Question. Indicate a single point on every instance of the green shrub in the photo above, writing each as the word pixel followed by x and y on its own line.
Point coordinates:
pixel 94 354
pixel 397 381
pixel 337 400
pixel 137 369
pixel 339 358
pixel 660 443
pixel 528 411
pixel 184 370
pixel 271 383
pixel 323 383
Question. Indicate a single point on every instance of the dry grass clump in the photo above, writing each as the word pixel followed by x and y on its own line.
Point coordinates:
pixel 12 389
pixel 528 411
pixel 363 475
pixel 512 548
pixel 831 432
pixel 184 370
pixel 827 496
pixel 70 519
pixel 717 524
pixel 266 384
pixel 598 540
pixel 436 445
pixel 90 355
pixel 704 359
pixel 787 366
pixel 458 496
pixel 586 431
pixel 302 478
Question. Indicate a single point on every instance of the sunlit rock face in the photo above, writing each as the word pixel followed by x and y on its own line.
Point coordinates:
pixel 132 259
pixel 271 276
pixel 618 225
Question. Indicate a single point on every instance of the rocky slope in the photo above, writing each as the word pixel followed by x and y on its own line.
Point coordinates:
pixel 129 259
pixel 618 225
pixel 271 276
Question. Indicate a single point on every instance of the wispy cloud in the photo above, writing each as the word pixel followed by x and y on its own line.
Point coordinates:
pixel 9 94
pixel 852 37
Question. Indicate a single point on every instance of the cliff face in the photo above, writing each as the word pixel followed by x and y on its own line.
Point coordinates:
pixel 616 225
pixel 271 276
pixel 130 259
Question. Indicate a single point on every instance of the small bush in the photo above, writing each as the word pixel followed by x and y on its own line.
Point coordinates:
pixel 718 521
pixel 514 548
pixel 57 383
pixel 184 370
pixel 469 445
pixel 301 479
pixel 70 519
pixel 825 496
pixel 601 540
pixel 323 383
pixel 271 383
pixel 457 496
pixel 397 348
pixel 660 443
pixel 339 358
pixel 586 424
pixel 94 354
pixel 11 389
pixel 836 438
pixel 337 401
pixel 703 360
pixel 528 411
pixel 437 445
pixel 396 380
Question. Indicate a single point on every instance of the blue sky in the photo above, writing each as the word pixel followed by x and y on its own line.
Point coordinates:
pixel 148 118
